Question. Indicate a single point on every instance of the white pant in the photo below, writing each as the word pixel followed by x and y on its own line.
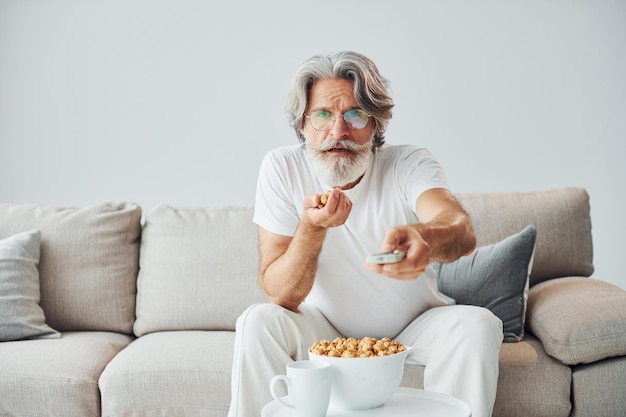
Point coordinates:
pixel 459 345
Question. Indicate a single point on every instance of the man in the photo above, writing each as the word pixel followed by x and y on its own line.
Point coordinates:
pixel 312 260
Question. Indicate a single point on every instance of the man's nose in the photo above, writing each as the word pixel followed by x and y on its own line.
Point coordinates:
pixel 339 129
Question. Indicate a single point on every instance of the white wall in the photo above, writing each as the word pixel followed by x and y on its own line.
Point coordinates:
pixel 176 101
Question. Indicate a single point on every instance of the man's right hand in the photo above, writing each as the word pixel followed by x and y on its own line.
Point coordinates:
pixel 333 214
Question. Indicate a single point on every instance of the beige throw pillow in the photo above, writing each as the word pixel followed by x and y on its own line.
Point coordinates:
pixel 199 269
pixel 89 262
pixel 578 320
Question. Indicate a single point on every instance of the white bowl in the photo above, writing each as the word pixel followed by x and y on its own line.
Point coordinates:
pixel 363 383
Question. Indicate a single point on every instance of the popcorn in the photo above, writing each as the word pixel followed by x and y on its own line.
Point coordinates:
pixel 323 199
pixel 353 348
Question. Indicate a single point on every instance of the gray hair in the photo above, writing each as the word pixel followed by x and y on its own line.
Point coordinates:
pixel 371 90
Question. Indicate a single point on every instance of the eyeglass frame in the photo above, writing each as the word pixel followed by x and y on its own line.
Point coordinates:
pixel 334 118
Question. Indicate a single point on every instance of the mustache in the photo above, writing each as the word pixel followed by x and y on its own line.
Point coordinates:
pixel 340 143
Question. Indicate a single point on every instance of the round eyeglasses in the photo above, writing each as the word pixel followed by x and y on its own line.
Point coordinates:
pixel 324 120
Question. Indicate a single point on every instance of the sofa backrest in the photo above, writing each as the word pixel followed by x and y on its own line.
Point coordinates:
pixel 198 269
pixel 88 264
pixel 564 244
pixel 199 266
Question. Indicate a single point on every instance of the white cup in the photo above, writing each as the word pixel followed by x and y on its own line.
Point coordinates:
pixel 308 385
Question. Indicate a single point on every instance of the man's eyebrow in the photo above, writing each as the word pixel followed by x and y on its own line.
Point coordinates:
pixel 324 108
pixel 319 108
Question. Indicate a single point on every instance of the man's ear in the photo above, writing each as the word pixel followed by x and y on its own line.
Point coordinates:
pixel 302 132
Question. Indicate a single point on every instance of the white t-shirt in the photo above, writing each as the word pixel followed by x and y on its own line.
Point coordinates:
pixel 356 301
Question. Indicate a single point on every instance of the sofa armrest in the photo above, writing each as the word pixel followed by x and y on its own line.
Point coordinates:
pixel 578 320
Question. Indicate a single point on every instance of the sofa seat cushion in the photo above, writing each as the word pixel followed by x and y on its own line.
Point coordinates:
pixel 530 384
pixel 592 398
pixel 180 373
pixel 56 377
pixel 88 265
pixel 579 320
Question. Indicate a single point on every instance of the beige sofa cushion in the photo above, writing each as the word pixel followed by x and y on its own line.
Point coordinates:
pixel 598 389
pixel 579 320
pixel 89 262
pixel 199 269
pixel 56 377
pixel 173 374
pixel 564 246
pixel 530 383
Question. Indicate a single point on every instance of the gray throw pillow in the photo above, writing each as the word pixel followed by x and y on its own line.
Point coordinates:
pixel 495 277
pixel 21 317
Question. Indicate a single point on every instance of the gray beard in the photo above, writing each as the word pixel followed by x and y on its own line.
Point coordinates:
pixel 338 171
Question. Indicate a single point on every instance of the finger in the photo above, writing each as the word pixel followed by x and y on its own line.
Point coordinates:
pixel 374 267
pixel 340 204
pixel 393 239
pixel 397 271
pixel 311 201
pixel 334 198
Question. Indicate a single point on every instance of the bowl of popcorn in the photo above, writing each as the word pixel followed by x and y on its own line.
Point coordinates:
pixel 365 372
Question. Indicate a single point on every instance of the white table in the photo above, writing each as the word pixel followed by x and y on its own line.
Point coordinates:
pixel 404 403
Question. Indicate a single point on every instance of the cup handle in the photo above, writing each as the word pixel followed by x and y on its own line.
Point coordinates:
pixel 273 383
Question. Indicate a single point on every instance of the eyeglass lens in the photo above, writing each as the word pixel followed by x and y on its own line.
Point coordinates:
pixel 323 120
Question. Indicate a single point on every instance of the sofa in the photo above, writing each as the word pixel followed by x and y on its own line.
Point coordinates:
pixel 125 313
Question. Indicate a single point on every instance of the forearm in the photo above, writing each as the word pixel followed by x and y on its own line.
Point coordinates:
pixel 449 235
pixel 288 279
pixel 289 264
